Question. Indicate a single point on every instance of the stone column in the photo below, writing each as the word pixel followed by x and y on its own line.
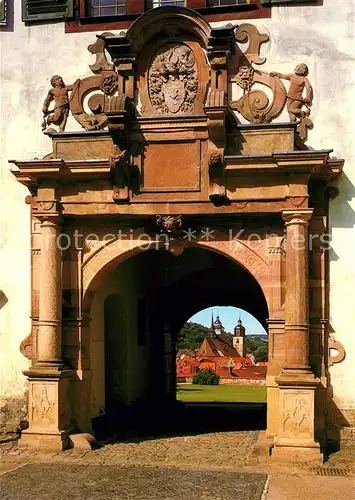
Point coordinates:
pixel 50 299
pixel 49 409
pixel 296 304
pixel 297 383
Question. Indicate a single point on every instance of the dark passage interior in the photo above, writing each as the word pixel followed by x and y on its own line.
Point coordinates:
pixel 143 304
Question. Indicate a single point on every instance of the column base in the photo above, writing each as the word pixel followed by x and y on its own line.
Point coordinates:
pixel 52 442
pixel 49 410
pixel 296 438
pixel 285 449
pixel 297 377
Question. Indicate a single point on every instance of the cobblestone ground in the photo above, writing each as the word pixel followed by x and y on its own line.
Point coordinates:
pixel 224 450
pixel 206 466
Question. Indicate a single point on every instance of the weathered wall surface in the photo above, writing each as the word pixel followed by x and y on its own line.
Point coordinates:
pixel 321 36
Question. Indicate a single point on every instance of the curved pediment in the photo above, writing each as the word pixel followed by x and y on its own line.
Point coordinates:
pixel 168 22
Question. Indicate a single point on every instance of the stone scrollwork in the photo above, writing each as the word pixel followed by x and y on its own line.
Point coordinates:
pixel 248 33
pixel 335 345
pixel 173 79
pixel 26 346
pixel 101 62
pixel 254 104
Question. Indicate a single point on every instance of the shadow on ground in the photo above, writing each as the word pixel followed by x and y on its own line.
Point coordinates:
pixel 180 419
pixel 95 482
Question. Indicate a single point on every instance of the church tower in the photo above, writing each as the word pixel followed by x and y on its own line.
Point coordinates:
pixel 239 339
pixel 216 327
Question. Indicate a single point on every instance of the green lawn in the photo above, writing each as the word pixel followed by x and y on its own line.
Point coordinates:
pixel 189 393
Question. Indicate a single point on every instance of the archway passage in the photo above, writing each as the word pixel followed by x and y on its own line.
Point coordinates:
pixel 136 315
pixel 221 370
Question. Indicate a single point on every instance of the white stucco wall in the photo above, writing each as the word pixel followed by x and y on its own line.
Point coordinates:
pixel 321 36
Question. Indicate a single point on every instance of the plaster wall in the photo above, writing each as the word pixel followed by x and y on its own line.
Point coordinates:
pixel 321 36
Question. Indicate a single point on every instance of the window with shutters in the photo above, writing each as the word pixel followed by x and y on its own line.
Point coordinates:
pixel 89 15
pixel 47 10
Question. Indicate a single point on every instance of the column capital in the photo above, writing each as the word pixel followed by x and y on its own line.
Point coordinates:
pixel 297 216
pixel 48 212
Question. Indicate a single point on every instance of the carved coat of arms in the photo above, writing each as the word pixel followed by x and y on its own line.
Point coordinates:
pixel 172 79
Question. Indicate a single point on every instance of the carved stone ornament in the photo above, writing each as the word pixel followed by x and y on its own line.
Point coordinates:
pixel 335 345
pixel 88 110
pixel 119 174
pixel 173 79
pixel 215 161
pixel 170 224
pixel 43 405
pixel 26 346
pixel 297 415
pixel 254 104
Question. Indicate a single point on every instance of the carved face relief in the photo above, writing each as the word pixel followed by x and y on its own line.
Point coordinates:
pixel 172 79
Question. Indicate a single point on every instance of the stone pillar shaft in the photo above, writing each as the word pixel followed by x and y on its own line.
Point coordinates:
pixel 296 304
pixel 50 303
pixel 297 383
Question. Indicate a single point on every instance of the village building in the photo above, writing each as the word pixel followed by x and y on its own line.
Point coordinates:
pixel 158 160
pixel 222 353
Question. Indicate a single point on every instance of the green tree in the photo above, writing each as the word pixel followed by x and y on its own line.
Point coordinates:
pixel 206 377
pixel 191 335
pixel 257 347
pixel 261 352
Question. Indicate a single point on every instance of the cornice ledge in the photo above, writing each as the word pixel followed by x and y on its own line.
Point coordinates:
pixel 31 170
pixel 38 164
pixel 283 160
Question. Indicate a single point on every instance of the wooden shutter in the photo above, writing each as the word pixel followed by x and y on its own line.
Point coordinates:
pixel 2 12
pixel 47 10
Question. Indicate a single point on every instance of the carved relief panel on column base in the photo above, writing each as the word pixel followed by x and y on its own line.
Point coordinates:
pixel 50 420
pixel 297 424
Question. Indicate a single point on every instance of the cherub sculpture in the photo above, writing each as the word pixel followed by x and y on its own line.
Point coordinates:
pixel 295 100
pixel 60 95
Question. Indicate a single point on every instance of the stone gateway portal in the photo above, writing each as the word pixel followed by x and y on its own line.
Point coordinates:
pixel 178 165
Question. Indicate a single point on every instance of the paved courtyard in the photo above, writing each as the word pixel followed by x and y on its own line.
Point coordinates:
pixel 212 466
pixel 75 482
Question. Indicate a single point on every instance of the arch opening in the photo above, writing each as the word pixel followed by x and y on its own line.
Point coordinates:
pixel 137 312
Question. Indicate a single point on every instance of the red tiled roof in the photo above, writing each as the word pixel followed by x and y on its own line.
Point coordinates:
pixel 215 347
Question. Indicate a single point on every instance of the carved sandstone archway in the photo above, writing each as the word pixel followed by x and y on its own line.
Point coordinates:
pixel 99 263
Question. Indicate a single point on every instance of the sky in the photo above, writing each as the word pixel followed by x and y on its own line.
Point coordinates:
pixel 229 317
